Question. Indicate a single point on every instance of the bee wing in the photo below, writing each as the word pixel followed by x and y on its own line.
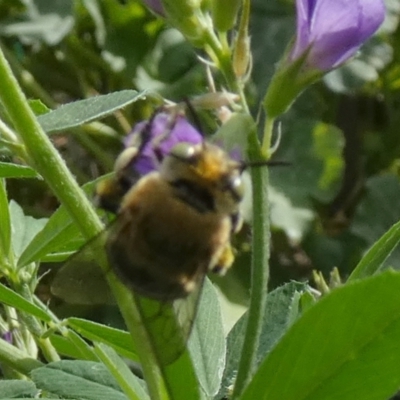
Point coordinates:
pixel 81 280
pixel 169 324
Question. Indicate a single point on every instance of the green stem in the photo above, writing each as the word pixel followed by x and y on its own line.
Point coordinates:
pixel 52 168
pixel 268 130
pixel 259 270
pixel 48 350
pixel 5 228
pixel 7 133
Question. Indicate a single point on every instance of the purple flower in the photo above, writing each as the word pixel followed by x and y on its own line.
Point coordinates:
pixel 7 336
pixel 165 131
pixel 331 31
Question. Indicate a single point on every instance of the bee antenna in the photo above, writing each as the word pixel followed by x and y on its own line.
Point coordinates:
pixel 170 125
pixel 262 163
pixel 146 131
pixel 194 115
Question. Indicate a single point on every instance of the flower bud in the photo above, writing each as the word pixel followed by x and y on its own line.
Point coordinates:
pixel 241 55
pixel 214 100
pixel 241 49
pixel 187 17
pixel 224 13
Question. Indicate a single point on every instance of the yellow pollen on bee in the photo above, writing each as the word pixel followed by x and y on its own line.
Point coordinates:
pixel 209 167
pixel 226 259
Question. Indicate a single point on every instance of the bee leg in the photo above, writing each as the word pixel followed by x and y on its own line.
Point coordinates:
pixel 237 222
pixel 224 261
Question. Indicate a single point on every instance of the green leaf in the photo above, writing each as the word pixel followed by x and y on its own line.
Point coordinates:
pixel 120 341
pixel 207 341
pixel 130 384
pixel 374 221
pixel 167 326
pixel 65 347
pixel 10 170
pixel 232 133
pixel 24 228
pixel 57 257
pixel 280 312
pixel 38 107
pixel 85 350
pixel 377 254
pixel 59 234
pixel 349 335
pixel 315 151
pixel 181 379
pixel 78 379
pixel 7 296
pixel 5 226
pixel 84 111
pixel 17 388
pixel 73 346
pixel 184 374
pixel 170 47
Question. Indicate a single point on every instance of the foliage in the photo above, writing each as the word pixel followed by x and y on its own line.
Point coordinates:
pixel 320 233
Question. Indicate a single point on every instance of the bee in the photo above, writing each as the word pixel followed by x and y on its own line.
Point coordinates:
pixel 177 204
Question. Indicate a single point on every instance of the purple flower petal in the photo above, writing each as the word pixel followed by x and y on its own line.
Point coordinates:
pixel 333 30
pixel 165 132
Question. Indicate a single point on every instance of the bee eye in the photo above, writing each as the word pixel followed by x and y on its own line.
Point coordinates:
pixel 183 151
pixel 238 187
pixel 234 185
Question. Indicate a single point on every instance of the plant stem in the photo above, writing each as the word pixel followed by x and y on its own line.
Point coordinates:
pixel 5 229
pixel 259 269
pixel 268 130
